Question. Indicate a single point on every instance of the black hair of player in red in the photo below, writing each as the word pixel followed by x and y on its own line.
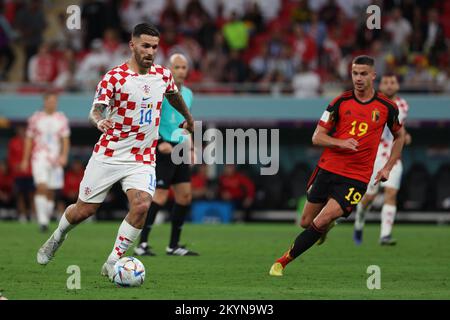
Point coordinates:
pixel 363 59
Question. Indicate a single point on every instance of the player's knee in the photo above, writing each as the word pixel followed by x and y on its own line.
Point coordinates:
pixel 390 196
pixel 41 189
pixel 305 222
pixel 160 196
pixel 141 206
pixel 324 219
pixel 80 212
pixel 367 200
pixel 184 199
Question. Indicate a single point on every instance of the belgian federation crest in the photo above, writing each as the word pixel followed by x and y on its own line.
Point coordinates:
pixel 375 115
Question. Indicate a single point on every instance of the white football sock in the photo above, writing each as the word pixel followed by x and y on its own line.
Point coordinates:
pixel 40 203
pixel 360 216
pixel 50 208
pixel 126 235
pixel 63 228
pixel 387 219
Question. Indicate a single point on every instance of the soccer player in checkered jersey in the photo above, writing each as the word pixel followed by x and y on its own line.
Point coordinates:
pixel 132 95
pixel 389 86
pixel 350 130
pixel 47 143
pixel 167 172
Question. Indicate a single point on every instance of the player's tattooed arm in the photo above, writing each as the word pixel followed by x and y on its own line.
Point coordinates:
pixel 177 101
pixel 97 118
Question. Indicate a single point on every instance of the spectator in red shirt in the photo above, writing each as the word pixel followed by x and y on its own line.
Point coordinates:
pixel 304 46
pixel 42 68
pixel 22 180
pixel 199 183
pixel 72 179
pixel 6 184
pixel 236 187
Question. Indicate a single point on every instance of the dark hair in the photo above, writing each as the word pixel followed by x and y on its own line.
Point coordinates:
pixel 49 92
pixel 389 75
pixel 145 28
pixel 367 60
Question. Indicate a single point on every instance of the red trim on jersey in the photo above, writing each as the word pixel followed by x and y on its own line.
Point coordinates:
pixel 312 178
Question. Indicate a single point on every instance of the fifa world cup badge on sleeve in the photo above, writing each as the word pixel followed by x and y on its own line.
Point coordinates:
pixel 325 116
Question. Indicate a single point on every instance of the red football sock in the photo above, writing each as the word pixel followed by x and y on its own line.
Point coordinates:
pixel 285 259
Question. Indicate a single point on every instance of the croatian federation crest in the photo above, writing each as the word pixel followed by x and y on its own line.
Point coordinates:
pixel 146 89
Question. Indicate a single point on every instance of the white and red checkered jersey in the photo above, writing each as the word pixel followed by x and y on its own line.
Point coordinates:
pixel 387 139
pixel 134 106
pixel 46 130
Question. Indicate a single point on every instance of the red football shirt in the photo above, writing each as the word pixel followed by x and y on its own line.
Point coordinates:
pixel 237 185
pixel 348 117
pixel 15 153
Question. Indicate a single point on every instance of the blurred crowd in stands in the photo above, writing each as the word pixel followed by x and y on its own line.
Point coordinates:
pixel 17 187
pixel 299 47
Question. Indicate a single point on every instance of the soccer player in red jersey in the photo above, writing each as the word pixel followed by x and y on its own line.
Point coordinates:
pixel 350 130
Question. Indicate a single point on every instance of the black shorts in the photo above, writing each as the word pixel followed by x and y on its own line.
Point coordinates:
pixel 23 184
pixel 324 185
pixel 168 173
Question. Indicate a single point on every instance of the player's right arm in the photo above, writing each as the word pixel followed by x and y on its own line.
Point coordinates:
pixel 103 98
pixel 97 118
pixel 322 138
pixel 327 122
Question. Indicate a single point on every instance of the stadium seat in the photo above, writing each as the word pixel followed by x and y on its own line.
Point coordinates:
pixel 212 212
pixel 270 192
pixel 442 187
pixel 415 188
pixel 299 179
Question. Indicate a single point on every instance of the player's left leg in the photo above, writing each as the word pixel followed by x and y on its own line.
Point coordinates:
pixel 389 209
pixel 50 203
pixel 159 200
pixel 388 212
pixel 56 181
pixel 165 171
pixel 41 176
pixel 180 210
pixel 139 183
pixel 40 202
pixel 129 229
pixel 360 215
pixel 365 204
pixel 305 240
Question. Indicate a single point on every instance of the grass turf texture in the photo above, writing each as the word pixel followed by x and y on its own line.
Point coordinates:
pixel 234 264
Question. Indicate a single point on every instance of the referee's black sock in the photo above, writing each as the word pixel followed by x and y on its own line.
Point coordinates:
pixel 305 240
pixel 151 215
pixel 179 213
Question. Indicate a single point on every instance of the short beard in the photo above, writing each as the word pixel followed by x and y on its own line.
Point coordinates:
pixel 391 96
pixel 140 61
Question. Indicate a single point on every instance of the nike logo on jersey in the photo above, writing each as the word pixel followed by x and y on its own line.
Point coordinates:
pixel 145 99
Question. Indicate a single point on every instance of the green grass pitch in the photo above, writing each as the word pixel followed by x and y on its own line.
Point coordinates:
pixel 234 264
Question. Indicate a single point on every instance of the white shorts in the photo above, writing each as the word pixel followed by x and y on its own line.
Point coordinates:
pixel 99 177
pixel 46 173
pixel 395 177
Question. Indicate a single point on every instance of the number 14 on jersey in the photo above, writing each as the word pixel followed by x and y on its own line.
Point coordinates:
pixel 146 116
